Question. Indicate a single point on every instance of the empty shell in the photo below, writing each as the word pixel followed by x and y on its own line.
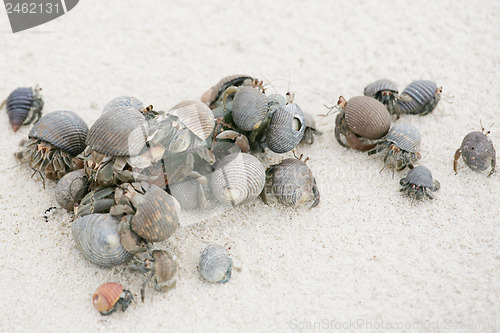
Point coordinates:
pixel 286 129
pixel 249 108
pixel 196 116
pixel 215 264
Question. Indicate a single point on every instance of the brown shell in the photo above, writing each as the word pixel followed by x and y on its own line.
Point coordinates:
pixel 214 93
pixel 165 266
pixel 106 296
pixel 196 116
pixel 367 117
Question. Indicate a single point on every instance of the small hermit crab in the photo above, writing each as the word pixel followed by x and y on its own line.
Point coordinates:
pixel 292 183
pixel 111 296
pixel 360 120
pixel 215 265
pixel 400 146
pixel 213 96
pixel 24 106
pixel 420 97
pixel 386 92
pixel 477 151
pixel 162 268
pixel 418 183
pixel 54 143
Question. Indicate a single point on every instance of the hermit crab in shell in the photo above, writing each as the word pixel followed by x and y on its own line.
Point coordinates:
pixel 420 97
pixel 477 151
pixel 130 101
pixel 71 189
pixel 418 184
pixel 360 120
pixel 24 106
pixel 54 143
pixel 215 265
pixel 386 92
pixel 111 296
pixel 213 96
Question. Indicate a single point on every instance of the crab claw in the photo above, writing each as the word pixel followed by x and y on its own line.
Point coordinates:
pixel 240 139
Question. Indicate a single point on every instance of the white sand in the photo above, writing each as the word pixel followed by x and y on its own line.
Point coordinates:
pixel 365 253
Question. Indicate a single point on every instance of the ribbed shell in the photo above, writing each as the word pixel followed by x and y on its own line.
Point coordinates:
pixel 286 129
pixel 18 105
pixel 106 296
pixel 214 93
pixel 71 188
pixel 156 218
pixel 420 176
pixel 292 182
pixel 123 101
pixel 249 108
pixel 122 132
pixel 165 266
pixel 237 177
pixel 63 129
pixel 367 117
pixel 215 264
pixel 478 151
pixel 186 193
pixel 422 93
pixel 196 116
pixel 96 237
pixel 380 85
pixel 406 137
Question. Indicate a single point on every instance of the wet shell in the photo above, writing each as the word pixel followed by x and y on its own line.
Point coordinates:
pixel 96 237
pixel 286 129
pixel 478 151
pixel 423 97
pixel 155 218
pixel 406 137
pixel 237 177
pixel 378 86
pixel 109 296
pixel 419 176
pixel 196 116
pixel 123 101
pixel 22 104
pixel 249 108
pixel 215 264
pixel 63 129
pixel 292 182
pixel 367 117
pixel 71 188
pixel 165 266
pixel 122 132
pixel 214 93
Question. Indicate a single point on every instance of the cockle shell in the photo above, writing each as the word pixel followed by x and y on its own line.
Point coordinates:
pixel 249 108
pixel 367 117
pixel 196 116
pixel 286 129
pixel 215 264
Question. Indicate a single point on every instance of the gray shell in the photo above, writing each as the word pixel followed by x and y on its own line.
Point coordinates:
pixel 123 101
pixel 196 116
pixel 71 188
pixel 63 129
pixel 286 129
pixel 367 117
pixel 213 94
pixel 20 105
pixel 249 108
pixel 380 85
pixel 423 97
pixel 186 193
pixel 292 182
pixel 122 132
pixel 406 137
pixel 237 177
pixel 215 264
pixel 420 176
pixel 478 151
pixel 96 237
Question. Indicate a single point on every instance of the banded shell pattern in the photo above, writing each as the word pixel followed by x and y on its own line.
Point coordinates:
pixel 215 264
pixel 123 101
pixel 367 117
pixel 286 129
pixel 375 88
pixel 110 297
pixel 406 137
pixel 24 106
pixel 420 97
pixel 249 108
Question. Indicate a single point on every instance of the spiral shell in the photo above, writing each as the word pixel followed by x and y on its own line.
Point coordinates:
pixel 63 129
pixel 21 104
pixel 292 182
pixel 249 108
pixel 215 264
pixel 423 96
pixel 196 116
pixel 286 129
pixel 213 94
pixel 367 117
pixel 71 188
pixel 406 137
pixel 237 177
pixel 478 151
pixel 165 266
pixel 96 237
pixel 109 296
pixel 419 176
pixel 373 89
pixel 121 132
pixel 123 102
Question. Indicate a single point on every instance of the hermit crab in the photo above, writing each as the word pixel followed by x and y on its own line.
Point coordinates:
pixel 130 101
pixel 310 129
pixel 418 184
pixel 420 97
pixel 215 265
pixel 477 151
pixel 213 96
pixel 24 106
pixel 386 92
pixel 111 296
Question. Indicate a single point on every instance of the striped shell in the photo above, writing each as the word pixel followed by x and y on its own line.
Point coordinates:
pixel 292 182
pixel 165 266
pixel 404 136
pixel 213 94
pixel 96 237
pixel 367 117
pixel 196 116
pixel 372 89
pixel 419 176
pixel 237 177
pixel 249 108
pixel 63 129
pixel 478 151
pixel 122 132
pixel 21 104
pixel 71 188
pixel 109 296
pixel 286 129
pixel 215 264
pixel 424 97
pixel 186 193
pixel 123 101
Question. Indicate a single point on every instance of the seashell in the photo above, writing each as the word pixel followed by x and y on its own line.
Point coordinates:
pixel 165 267
pixel 123 102
pixel 286 129
pixel 71 188
pixel 418 182
pixel 249 108
pixel 63 129
pixel 187 193
pixel 96 237
pixel 376 88
pixel 110 297
pixel 405 136
pixel 215 264
pixel 477 151
pixel 420 97
pixel 121 132
pixel 196 116
pixel 24 106
pixel 367 117
pixel 237 177
pixel 213 94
